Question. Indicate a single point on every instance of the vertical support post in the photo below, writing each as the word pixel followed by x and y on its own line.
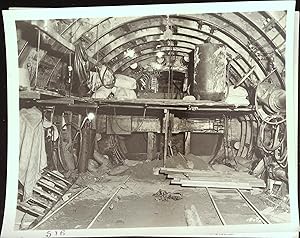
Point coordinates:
pixel 225 142
pixel 37 58
pixel 187 142
pixel 70 119
pixel 167 115
pixel 79 120
pixel 151 145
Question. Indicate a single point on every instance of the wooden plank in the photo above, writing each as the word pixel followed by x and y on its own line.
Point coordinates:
pixel 214 175
pixel 216 185
pixel 169 102
pixel 118 125
pixel 192 172
pixel 64 101
pixel 218 176
pixel 29 95
pixel 221 180
pixel 184 181
pixel 145 124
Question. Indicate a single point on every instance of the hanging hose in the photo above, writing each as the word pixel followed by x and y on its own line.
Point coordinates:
pixel 81 65
pixel 281 160
pixel 108 86
pixel 274 146
pixel 243 122
pixel 251 145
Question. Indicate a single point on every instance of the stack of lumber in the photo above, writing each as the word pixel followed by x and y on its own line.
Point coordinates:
pixel 212 178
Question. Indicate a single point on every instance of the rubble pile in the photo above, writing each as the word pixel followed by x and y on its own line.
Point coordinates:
pixel 163 195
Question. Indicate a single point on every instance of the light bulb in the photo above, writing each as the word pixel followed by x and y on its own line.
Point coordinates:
pixel 91 116
pixel 160 54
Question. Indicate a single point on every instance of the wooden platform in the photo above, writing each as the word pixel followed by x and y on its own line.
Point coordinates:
pixel 48 97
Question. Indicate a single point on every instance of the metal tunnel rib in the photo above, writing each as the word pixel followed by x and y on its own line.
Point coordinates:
pixel 227 34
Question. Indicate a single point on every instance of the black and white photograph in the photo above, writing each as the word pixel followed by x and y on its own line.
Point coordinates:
pixel 153 120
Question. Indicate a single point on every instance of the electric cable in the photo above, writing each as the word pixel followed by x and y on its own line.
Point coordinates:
pixel 262 135
pixel 110 85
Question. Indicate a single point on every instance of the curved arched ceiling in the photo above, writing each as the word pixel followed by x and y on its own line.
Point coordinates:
pixel 252 39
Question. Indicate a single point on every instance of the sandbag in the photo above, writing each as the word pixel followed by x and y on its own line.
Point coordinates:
pixel 102 160
pixel 124 81
pixel 103 92
pixel 93 166
pixel 237 96
pixel 124 93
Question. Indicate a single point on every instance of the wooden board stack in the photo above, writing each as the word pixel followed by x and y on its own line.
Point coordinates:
pixel 212 178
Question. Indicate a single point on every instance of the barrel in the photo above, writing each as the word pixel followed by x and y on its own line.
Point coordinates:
pixel 210 71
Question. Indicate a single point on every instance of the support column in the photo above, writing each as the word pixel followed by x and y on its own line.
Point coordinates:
pixel 151 145
pixel 167 115
pixel 187 142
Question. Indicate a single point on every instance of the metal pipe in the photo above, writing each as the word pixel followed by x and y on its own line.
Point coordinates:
pixel 106 204
pixel 245 77
pixel 22 50
pixel 37 58
pixel 48 80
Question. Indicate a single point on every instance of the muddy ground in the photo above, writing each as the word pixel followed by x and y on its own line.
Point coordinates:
pixel 135 206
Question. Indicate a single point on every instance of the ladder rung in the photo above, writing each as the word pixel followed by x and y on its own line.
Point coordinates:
pixel 28 208
pixel 39 202
pixel 57 176
pixel 45 194
pixel 49 187
pixel 54 181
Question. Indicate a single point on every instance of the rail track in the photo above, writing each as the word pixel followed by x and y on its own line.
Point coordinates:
pixel 234 197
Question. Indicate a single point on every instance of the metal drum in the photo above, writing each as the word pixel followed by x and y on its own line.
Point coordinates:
pixel 210 71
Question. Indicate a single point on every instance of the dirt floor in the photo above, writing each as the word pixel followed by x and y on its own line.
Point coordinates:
pixel 136 206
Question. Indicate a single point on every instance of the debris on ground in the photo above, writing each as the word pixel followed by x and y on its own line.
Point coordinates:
pixel 163 195
pixel 222 167
pixel 118 170
pixel 192 217
pixel 132 163
pixel 66 196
